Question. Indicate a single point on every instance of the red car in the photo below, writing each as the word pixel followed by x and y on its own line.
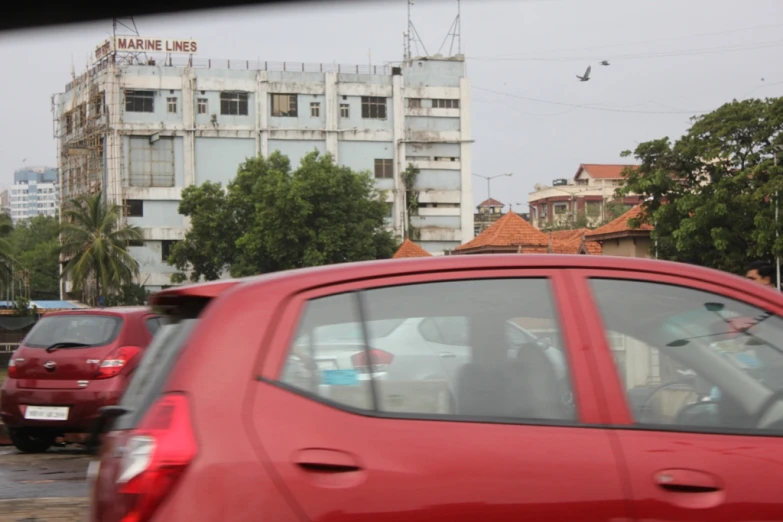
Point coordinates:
pixel 70 365
pixel 241 411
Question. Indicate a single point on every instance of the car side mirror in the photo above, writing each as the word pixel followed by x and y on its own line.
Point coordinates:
pixel 544 342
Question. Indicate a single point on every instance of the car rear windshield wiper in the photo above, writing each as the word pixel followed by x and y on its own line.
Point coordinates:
pixel 57 346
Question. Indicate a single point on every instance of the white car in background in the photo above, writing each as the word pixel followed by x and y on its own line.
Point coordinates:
pixel 411 349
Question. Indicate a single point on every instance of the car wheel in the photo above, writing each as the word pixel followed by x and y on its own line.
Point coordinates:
pixel 31 441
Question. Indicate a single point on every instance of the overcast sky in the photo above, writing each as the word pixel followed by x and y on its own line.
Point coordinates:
pixel 669 60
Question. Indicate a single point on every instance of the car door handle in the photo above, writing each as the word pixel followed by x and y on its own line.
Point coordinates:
pixel 687 481
pixel 447 355
pixel 320 460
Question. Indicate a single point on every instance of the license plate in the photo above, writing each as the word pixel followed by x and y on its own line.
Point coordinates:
pixel 329 364
pixel 54 413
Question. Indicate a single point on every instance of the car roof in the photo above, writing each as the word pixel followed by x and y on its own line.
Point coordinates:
pixel 115 311
pixel 391 267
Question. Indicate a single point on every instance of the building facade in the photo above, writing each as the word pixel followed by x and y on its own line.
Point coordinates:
pixel 143 132
pixel 34 192
pixel 586 197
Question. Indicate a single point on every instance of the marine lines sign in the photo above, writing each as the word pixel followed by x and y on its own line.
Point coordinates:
pixel 139 44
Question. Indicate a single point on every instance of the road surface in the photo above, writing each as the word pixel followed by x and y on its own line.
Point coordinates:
pixel 42 488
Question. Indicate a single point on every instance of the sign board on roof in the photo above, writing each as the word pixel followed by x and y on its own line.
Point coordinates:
pixel 139 44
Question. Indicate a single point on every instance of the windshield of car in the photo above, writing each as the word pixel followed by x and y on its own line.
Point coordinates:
pixel 73 330
pixel 153 370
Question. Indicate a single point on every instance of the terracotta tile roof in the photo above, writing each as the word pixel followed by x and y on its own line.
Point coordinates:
pixel 568 235
pixel 491 202
pixel 410 249
pixel 620 225
pixel 594 248
pixel 601 171
pixel 572 242
pixel 509 231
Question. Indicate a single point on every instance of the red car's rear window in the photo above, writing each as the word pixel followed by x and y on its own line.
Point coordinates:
pixel 84 329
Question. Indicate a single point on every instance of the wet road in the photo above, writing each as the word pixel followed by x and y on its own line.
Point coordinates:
pixel 44 487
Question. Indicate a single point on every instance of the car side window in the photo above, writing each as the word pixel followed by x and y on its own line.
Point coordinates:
pixel 373 350
pixel 691 359
pixel 153 325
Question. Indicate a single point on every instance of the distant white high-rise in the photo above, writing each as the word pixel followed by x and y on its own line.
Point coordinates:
pixel 34 193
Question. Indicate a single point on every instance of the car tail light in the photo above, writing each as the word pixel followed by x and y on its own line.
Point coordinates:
pixel 155 457
pixel 12 369
pixel 372 361
pixel 113 364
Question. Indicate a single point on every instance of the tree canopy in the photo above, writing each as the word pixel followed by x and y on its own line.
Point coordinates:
pixel 36 247
pixel 272 217
pixel 711 193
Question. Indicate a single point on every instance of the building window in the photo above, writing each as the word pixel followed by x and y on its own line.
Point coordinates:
pixel 284 105
pixel 233 103
pixel 345 110
pixel 134 208
pixel 151 162
pixel 139 101
pixel 165 249
pixel 414 103
pixel 384 169
pixel 69 123
pixel 315 110
pixel 561 209
pixel 171 104
pixel 593 208
pixel 374 107
pixel 202 106
pixel 445 104
pixel 98 103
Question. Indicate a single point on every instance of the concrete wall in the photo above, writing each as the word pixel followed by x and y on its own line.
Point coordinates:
pixel 217 159
pixel 628 247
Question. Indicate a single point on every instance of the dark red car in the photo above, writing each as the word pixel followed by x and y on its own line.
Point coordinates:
pixel 70 365
pixel 243 410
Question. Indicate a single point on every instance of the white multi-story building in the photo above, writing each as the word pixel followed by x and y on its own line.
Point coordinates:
pixel 34 193
pixel 142 132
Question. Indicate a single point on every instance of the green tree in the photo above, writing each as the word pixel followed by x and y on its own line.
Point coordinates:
pixel 7 259
pixel 709 194
pixel 36 246
pixel 95 246
pixel 274 218
pixel 208 246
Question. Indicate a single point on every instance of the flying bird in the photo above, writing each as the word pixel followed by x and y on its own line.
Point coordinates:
pixel 604 62
pixel 586 75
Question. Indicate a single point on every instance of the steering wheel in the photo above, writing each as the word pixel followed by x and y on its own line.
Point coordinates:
pixel 645 406
pixel 766 406
pixel 678 419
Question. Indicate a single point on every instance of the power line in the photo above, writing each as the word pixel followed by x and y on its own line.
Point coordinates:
pixel 583 106
pixel 642 42
pixel 639 56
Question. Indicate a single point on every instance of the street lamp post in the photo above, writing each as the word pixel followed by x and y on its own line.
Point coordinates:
pixel 490 178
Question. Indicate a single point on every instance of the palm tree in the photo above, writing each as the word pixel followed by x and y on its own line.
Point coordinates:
pixel 95 245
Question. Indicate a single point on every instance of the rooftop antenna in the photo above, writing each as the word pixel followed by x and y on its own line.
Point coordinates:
pixel 413 37
pixel 126 27
pixel 455 33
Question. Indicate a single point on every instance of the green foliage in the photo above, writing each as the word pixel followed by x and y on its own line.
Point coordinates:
pixel 37 248
pixel 95 246
pixel 209 244
pixel 409 177
pixel 21 307
pixel 131 294
pixel 7 258
pixel 711 193
pixel 271 218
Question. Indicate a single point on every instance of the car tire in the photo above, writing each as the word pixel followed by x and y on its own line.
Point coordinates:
pixel 31 441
